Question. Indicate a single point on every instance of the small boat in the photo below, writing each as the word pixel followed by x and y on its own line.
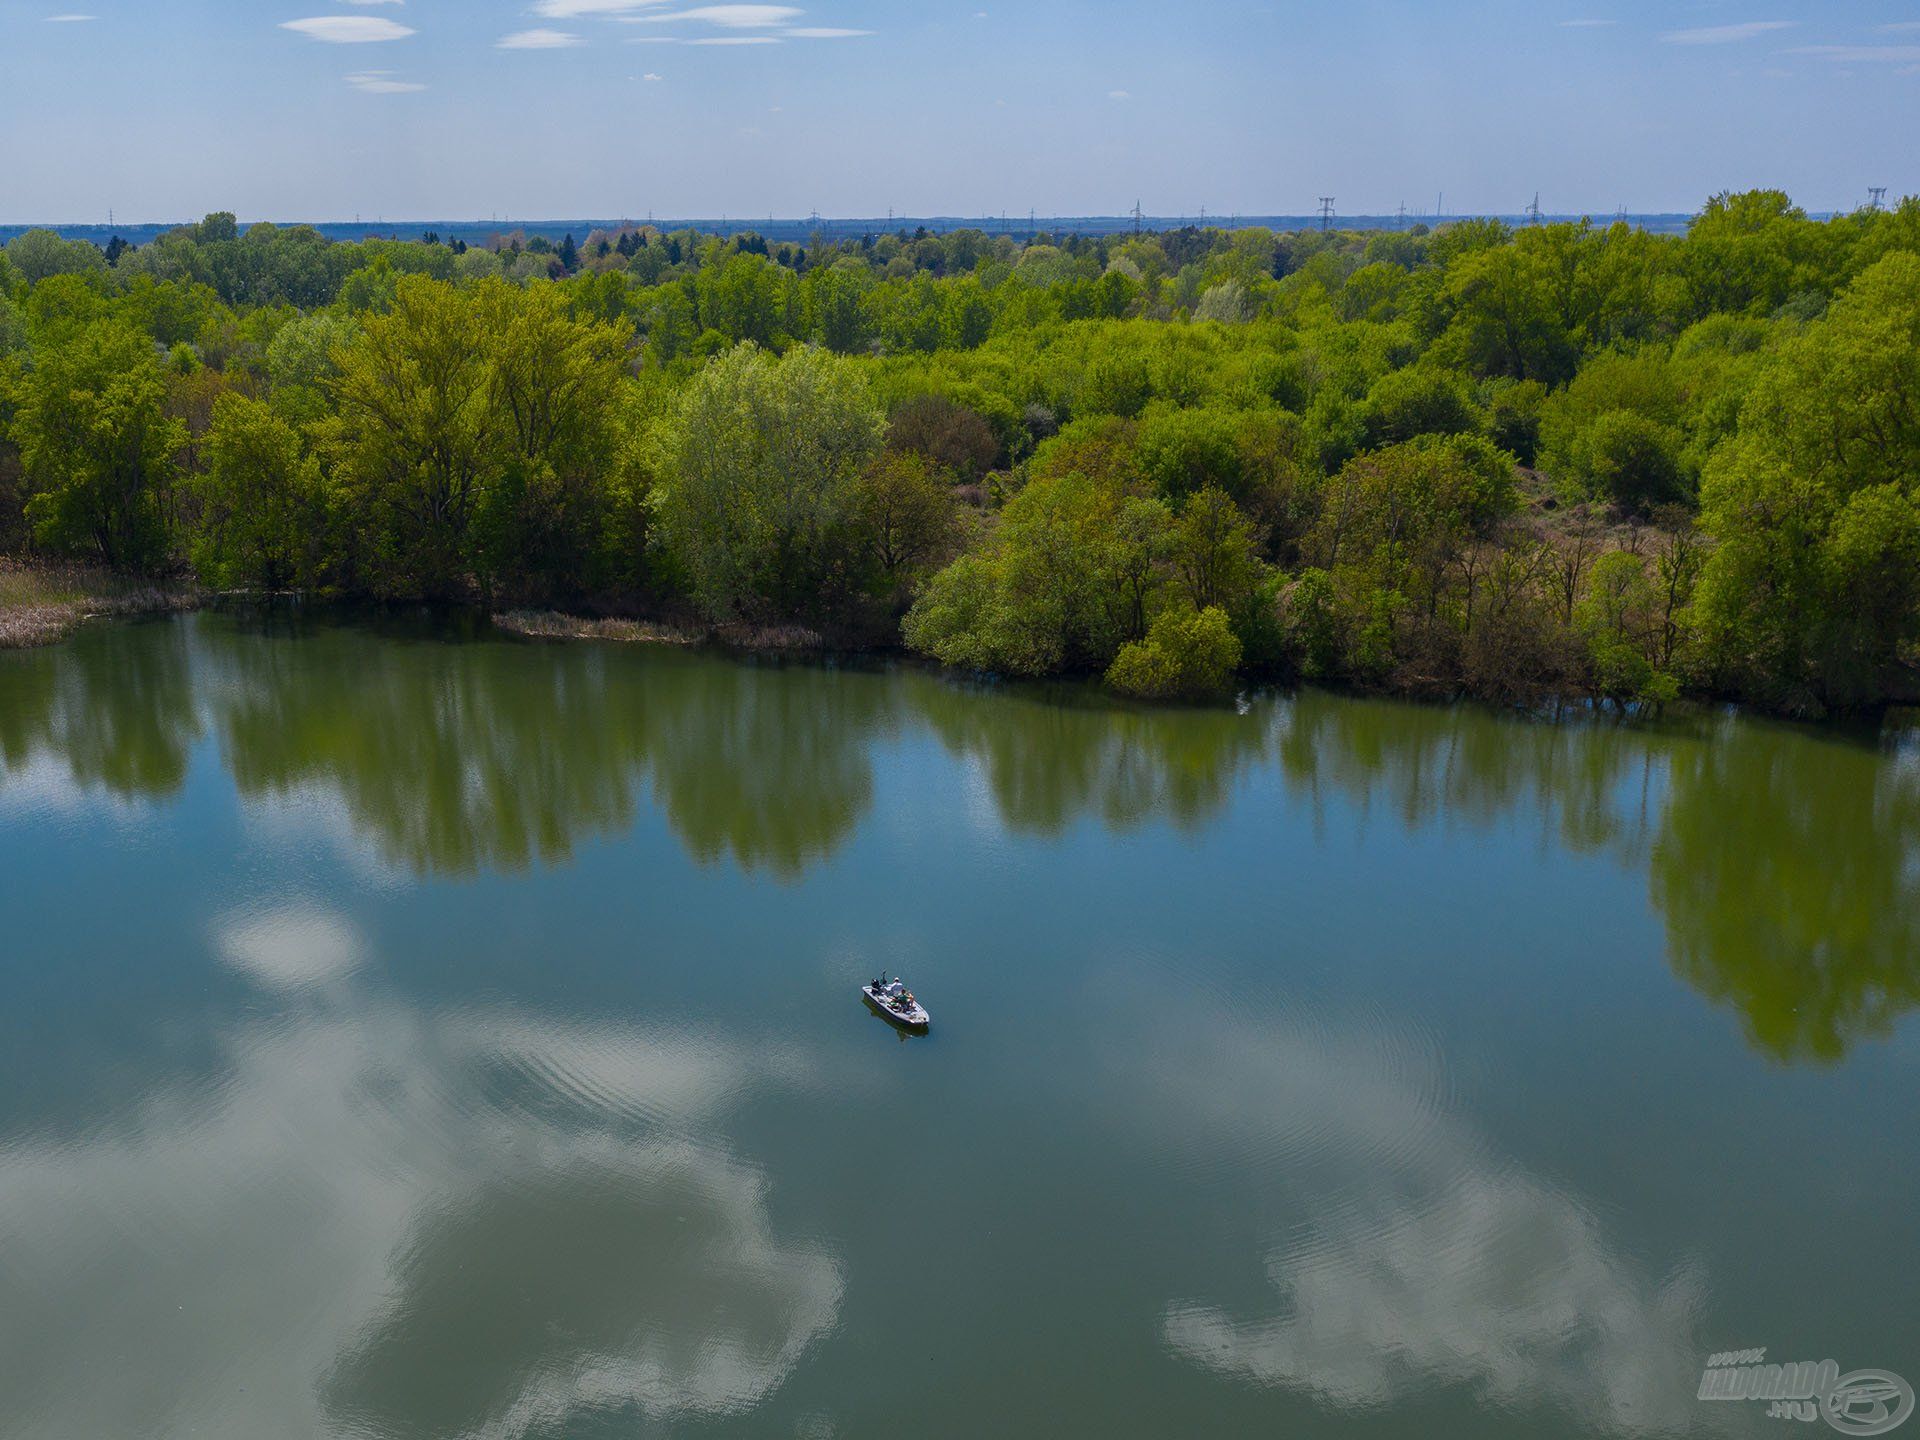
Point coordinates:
pixel 891 1000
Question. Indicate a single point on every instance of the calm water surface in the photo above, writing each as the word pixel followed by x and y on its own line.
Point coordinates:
pixel 408 1036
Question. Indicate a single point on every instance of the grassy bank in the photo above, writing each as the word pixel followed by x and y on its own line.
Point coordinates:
pixel 40 604
pixel 553 625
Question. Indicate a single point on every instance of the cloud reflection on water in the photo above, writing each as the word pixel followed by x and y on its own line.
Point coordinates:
pixel 1421 1255
pixel 544 1213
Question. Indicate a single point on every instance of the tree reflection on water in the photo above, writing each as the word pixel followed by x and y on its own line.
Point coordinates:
pixel 1783 863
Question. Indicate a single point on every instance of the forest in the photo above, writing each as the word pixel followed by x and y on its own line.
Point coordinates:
pixel 1554 462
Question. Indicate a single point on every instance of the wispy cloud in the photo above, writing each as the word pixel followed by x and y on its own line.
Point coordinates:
pixel 1900 27
pixel 348 29
pixel 69 19
pixel 538 40
pixel 381 82
pixel 586 9
pixel 1119 94
pixel 1586 24
pixel 1861 54
pixel 729 17
pixel 1726 34
pixel 776 20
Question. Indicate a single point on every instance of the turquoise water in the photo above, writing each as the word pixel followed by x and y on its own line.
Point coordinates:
pixel 407 1033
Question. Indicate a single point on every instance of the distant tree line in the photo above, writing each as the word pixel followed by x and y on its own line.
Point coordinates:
pixel 1558 460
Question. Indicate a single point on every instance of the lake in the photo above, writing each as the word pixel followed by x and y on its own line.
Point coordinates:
pixel 411 1032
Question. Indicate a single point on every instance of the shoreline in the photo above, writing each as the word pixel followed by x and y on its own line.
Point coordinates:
pixel 44 604
pixel 755 639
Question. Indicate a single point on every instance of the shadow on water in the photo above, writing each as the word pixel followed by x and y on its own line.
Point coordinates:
pixel 1784 863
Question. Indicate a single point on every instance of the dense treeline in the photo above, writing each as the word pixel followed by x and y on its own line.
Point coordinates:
pixel 1558 460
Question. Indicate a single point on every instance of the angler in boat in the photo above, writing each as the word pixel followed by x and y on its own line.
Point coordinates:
pixel 895 1002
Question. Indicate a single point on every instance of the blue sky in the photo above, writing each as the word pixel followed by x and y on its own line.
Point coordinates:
pixel 324 109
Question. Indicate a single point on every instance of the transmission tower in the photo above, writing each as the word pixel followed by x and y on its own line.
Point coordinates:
pixel 1326 212
pixel 1138 216
pixel 1533 210
pixel 1876 197
pixel 1402 224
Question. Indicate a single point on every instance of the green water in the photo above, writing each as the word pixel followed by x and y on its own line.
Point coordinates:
pixel 404 1034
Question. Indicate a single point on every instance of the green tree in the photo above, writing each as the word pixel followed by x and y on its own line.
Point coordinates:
pixel 262 506
pixel 759 462
pixel 36 254
pixel 415 439
pixel 1634 461
pixel 302 361
pixel 1420 400
pixel 1068 577
pixel 554 387
pixel 904 514
pixel 1806 599
pixel 97 447
pixel 1188 654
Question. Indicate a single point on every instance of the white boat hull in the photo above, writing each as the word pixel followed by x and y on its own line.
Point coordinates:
pixel 910 1016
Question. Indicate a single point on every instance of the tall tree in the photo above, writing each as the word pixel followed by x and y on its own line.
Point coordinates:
pixel 97 447
pixel 758 468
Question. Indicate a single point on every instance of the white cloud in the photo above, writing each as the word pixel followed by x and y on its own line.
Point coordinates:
pixel 381 82
pixel 583 9
pixel 735 40
pixel 1725 34
pixel 1586 24
pixel 1862 54
pixel 824 32
pixel 538 40
pixel 69 19
pixel 348 29
pixel 730 17
pixel 649 76
pixel 1119 94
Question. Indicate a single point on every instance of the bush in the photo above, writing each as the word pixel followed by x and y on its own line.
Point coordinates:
pixel 1635 462
pixel 950 435
pixel 1417 401
pixel 1188 655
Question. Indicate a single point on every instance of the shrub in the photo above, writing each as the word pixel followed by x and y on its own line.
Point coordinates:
pixel 1188 654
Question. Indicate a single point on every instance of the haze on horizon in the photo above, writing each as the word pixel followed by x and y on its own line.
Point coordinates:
pixel 327 109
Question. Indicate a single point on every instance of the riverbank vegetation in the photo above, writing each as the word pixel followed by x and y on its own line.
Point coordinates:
pixel 1562 460
pixel 41 603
